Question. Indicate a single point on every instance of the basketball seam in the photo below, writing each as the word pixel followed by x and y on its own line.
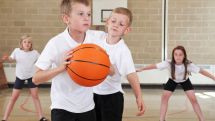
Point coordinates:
pixel 84 77
pixel 90 47
pixel 90 62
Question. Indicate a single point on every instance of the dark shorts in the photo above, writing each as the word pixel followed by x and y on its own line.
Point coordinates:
pixel 109 107
pixel 63 115
pixel 19 84
pixel 171 85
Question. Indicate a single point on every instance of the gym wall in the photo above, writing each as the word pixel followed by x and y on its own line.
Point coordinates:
pixel 190 23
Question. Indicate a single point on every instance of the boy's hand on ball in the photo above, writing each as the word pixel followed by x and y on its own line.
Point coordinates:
pixel 65 62
pixel 112 71
pixel 68 60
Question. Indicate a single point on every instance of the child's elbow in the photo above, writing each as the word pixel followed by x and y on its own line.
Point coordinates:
pixel 35 80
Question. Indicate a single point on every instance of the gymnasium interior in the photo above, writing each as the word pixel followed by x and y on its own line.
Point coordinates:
pixel 158 26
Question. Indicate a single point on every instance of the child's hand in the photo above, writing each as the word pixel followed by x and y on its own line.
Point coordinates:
pixel 66 61
pixel 214 78
pixel 5 57
pixel 141 106
pixel 139 70
pixel 112 70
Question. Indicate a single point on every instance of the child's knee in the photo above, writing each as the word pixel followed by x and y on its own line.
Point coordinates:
pixel 35 96
pixel 14 98
pixel 165 96
pixel 193 100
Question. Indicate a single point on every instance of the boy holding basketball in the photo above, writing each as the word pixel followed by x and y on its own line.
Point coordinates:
pixel 69 101
pixel 108 95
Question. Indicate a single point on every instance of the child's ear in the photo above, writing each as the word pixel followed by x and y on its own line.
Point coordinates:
pixel 65 19
pixel 128 29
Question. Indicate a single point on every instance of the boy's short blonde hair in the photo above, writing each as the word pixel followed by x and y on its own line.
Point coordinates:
pixel 23 38
pixel 124 11
pixel 66 5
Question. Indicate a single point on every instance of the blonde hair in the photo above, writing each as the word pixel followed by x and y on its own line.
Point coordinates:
pixel 66 5
pixel 23 37
pixel 124 11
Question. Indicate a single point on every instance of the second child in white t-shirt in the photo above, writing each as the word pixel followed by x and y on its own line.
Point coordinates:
pixel 108 95
pixel 25 58
pixel 179 68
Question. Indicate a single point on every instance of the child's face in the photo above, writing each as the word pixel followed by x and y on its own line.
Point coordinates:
pixel 178 56
pixel 79 18
pixel 26 44
pixel 118 24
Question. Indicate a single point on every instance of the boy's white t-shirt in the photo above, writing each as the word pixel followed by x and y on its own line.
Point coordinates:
pixel 179 70
pixel 25 61
pixel 121 58
pixel 65 93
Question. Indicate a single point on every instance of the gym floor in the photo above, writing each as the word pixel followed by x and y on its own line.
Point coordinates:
pixel 180 108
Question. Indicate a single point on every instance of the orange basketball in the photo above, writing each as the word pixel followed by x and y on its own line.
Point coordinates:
pixel 89 65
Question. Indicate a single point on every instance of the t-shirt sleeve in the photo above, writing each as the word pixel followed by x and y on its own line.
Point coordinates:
pixel 13 54
pixel 162 65
pixel 125 63
pixel 47 57
pixel 193 68
pixel 37 54
pixel 98 37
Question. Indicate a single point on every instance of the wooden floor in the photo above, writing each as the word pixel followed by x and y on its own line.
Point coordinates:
pixel 179 107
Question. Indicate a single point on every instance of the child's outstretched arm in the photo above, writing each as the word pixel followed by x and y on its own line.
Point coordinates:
pixel 207 74
pixel 7 58
pixel 149 67
pixel 135 84
pixel 44 75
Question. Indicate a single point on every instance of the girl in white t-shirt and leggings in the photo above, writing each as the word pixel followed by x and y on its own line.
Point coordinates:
pixel 25 57
pixel 179 67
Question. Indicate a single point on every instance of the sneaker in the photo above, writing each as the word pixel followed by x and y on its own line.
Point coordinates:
pixel 43 119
